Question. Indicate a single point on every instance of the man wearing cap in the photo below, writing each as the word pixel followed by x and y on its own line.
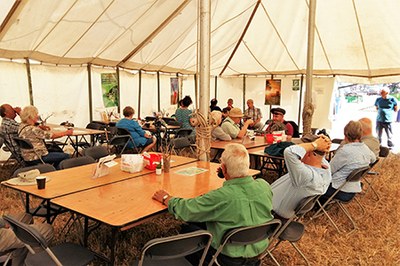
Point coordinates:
pixel 308 174
pixel 386 106
pixel 278 115
pixel 231 124
pixel 9 126
pixel 255 114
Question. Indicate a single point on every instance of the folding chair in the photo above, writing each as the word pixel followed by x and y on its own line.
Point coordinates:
pixel 75 162
pixel 6 256
pixel 15 154
pixel 96 152
pixel 42 210
pixel 249 235
pixel 292 230
pixel 355 176
pixel 179 144
pixel 183 132
pixel 368 182
pixel 25 144
pixel 119 143
pixel 172 250
pixel 63 254
pixel 125 132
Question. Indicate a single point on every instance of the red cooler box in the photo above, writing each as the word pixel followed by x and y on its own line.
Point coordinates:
pixel 151 160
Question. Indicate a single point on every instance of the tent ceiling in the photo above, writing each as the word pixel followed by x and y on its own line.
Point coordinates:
pixel 358 38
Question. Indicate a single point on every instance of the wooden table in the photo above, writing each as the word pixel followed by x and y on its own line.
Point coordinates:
pixel 219 145
pixel 128 203
pixel 72 180
pixel 77 132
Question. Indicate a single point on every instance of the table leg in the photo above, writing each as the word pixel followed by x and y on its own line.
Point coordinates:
pixel 85 231
pixel 114 234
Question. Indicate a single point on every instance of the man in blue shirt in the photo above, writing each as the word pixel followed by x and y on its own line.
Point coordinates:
pixel 385 106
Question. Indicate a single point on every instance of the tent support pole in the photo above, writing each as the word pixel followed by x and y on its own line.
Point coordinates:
pixel 89 70
pixel 216 87
pixel 158 91
pixel 196 91
pixel 205 30
pixel 300 98
pixel 244 92
pixel 118 92
pixel 308 109
pixel 28 73
pixel 140 92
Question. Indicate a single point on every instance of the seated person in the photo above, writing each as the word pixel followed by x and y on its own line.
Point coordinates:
pixel 183 113
pixel 217 132
pixel 241 201
pixel 214 106
pixel 352 155
pixel 367 138
pixel 139 136
pixel 308 174
pixel 36 135
pixel 231 124
pixel 8 239
pixel 229 104
pixel 8 124
pixel 253 113
pixel 278 117
pixel 225 113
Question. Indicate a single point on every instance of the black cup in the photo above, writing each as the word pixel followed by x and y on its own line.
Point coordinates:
pixel 41 182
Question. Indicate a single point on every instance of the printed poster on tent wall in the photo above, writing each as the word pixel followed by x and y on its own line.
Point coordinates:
pixel 109 86
pixel 174 90
pixel 273 92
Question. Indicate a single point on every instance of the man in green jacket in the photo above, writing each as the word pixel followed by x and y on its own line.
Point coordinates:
pixel 241 201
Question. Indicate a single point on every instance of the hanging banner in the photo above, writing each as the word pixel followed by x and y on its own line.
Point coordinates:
pixel 109 86
pixel 174 90
pixel 273 92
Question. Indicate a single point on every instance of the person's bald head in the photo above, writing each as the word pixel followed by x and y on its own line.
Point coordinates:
pixel 366 125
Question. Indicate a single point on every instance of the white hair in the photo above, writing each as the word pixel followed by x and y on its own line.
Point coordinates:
pixel 385 89
pixel 236 159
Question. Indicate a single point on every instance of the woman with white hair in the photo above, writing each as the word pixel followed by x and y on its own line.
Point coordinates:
pixel 218 132
pixel 27 130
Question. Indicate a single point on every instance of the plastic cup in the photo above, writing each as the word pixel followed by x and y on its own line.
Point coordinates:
pixel 41 182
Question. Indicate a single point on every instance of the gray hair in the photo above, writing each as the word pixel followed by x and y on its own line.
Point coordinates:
pixel 29 112
pixel 236 159
pixel 366 124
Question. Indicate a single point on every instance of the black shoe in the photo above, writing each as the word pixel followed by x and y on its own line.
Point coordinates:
pixel 390 143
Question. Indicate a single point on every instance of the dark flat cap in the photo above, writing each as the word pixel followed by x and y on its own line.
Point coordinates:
pixel 278 110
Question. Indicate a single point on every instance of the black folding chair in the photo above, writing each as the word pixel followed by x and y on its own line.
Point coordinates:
pixel 355 176
pixel 63 254
pixel 75 162
pixel 96 152
pixel 172 250
pixel 25 144
pixel 125 132
pixel 249 235
pixel 292 230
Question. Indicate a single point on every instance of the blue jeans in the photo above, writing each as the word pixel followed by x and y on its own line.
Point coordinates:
pixel 342 196
pixel 387 126
pixel 53 158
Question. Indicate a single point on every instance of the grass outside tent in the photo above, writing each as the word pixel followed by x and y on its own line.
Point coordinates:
pixel 376 242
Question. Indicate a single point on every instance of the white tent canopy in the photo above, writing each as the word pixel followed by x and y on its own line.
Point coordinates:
pixel 353 38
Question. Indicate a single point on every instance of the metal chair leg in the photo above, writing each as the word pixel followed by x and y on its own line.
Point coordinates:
pixel 299 251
